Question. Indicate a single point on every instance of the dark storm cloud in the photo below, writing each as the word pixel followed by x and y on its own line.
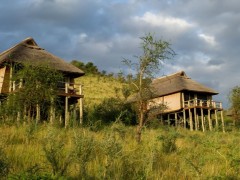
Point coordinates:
pixel 204 34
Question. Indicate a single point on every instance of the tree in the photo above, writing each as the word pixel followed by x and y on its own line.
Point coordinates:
pixel 36 89
pixel 235 103
pixel 147 65
pixel 89 67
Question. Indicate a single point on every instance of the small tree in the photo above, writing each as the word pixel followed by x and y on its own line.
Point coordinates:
pixel 37 86
pixel 235 103
pixel 147 65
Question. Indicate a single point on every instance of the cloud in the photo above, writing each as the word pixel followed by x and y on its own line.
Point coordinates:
pixel 208 39
pixel 165 21
pixel 204 34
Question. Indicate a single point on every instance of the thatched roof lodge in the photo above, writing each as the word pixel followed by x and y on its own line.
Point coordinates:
pixel 27 52
pixel 185 100
pixel 178 82
pixel 30 53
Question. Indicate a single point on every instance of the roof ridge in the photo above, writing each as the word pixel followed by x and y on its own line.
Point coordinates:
pixel 167 77
pixel 23 42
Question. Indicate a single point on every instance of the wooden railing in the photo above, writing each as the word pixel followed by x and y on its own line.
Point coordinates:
pixel 63 87
pixel 202 103
pixel 70 88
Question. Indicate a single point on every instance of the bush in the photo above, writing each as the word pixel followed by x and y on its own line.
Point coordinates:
pixel 56 154
pixel 169 142
pixel 109 110
pixel 4 164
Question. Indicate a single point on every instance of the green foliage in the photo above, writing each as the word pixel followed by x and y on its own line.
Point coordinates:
pixel 56 154
pixel 235 103
pixel 154 53
pixel 169 142
pixel 4 164
pixel 113 153
pixel 109 110
pixel 84 152
pixel 39 87
pixel 88 68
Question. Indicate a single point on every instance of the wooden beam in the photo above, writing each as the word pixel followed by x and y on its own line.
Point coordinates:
pixel 216 119
pixel 168 119
pixel 190 120
pixel 66 106
pixel 10 77
pixel 223 126
pixel 184 118
pixel 209 120
pixel 176 123
pixel 202 118
pixel 38 113
pixel 52 112
pixel 195 119
pixel 81 105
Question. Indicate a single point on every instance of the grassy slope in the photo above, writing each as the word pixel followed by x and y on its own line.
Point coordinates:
pixel 96 88
pixel 114 154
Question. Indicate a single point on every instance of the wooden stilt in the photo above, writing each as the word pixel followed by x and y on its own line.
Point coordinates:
pixel 168 119
pixel 202 118
pixel 184 118
pixel 198 126
pixel 209 120
pixel 38 113
pixel 176 123
pixel 195 119
pixel 52 112
pixel 190 120
pixel 223 126
pixel 66 106
pixel 216 119
pixel 18 116
pixel 81 105
pixel 29 116
pixel 10 78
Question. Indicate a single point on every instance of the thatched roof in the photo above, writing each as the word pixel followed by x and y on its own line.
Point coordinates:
pixel 29 52
pixel 171 84
pixel 176 83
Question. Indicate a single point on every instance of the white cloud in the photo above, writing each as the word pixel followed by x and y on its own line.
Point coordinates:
pixel 161 20
pixel 208 39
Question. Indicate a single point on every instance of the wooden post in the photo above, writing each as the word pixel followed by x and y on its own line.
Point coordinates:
pixel 38 113
pixel 190 119
pixel 81 105
pixel 66 106
pixel 195 119
pixel 216 119
pixel 10 77
pixel 29 116
pixel 168 119
pixel 202 118
pixel 209 120
pixel 21 83
pixel 52 112
pixel 184 118
pixel 223 127
pixel 176 123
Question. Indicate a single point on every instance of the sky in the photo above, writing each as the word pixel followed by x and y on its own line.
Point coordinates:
pixel 204 34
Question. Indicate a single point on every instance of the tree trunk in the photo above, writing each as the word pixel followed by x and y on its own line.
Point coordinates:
pixel 141 123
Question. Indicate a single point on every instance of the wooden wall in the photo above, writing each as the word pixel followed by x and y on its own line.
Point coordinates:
pixel 172 101
pixel 4 79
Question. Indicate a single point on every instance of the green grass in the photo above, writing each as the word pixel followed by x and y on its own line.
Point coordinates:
pixel 96 88
pixel 113 153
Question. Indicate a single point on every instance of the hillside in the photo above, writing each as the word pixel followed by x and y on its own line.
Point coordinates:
pixel 96 88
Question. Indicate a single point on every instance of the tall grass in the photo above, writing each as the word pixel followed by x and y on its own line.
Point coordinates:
pixel 112 153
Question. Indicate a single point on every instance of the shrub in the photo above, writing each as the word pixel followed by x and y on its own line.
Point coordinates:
pixel 56 154
pixel 169 142
pixel 109 110
pixel 4 164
